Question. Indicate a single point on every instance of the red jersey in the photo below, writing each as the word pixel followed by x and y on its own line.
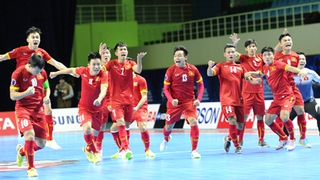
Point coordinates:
pixel 277 80
pixel 291 59
pixel 90 87
pixel 230 78
pixel 251 64
pixel 121 81
pixel 181 81
pixel 21 80
pixel 139 86
pixel 22 55
pixel 106 99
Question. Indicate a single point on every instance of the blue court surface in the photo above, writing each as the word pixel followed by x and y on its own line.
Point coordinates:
pixel 174 163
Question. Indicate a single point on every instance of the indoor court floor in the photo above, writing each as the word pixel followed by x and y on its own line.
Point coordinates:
pixel 175 163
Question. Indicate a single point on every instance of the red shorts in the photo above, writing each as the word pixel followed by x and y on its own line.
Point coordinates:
pixel 237 111
pixel 174 112
pixel 297 94
pixel 283 103
pixel 254 101
pixel 26 121
pixel 94 117
pixel 140 116
pixel 122 111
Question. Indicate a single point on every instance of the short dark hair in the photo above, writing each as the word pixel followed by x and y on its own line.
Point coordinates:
pixel 119 44
pixel 37 61
pixel 284 35
pixel 33 30
pixel 300 53
pixel 250 41
pixel 267 49
pixel 93 55
pixel 181 48
pixel 228 46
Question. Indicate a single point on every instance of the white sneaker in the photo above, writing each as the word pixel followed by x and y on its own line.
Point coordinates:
pixel 291 145
pixel 282 144
pixel 163 145
pixel 128 154
pixel 195 154
pixel 53 144
pixel 304 143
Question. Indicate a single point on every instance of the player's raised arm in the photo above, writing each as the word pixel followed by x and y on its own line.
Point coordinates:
pixel 63 71
pixel 138 67
pixel 210 66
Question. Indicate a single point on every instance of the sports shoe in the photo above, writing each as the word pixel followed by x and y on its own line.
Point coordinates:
pixel 304 143
pixel 115 156
pixel 32 172
pixel 150 154
pixel 227 144
pixel 238 150
pixel 19 159
pixel 88 154
pixel 163 145
pixel 282 144
pixel 96 157
pixel 291 145
pixel 128 154
pixel 53 144
pixel 241 143
pixel 195 154
pixel 263 144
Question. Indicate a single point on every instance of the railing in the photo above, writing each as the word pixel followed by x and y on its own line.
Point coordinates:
pixel 143 13
pixel 241 23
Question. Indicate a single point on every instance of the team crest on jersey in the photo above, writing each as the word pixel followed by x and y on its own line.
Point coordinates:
pixel 293 59
pixel 272 68
pixel 306 78
pixel 135 83
pixel 257 59
pixel 128 66
pixel 97 78
pixel 39 76
pixel 13 82
pixel 191 73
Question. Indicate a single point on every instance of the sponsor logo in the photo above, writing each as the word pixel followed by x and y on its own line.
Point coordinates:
pixel 67 119
pixel 208 115
pixel 8 125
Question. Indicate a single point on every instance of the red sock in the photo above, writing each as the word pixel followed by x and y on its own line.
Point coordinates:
pixel 36 147
pixel 194 136
pixel 166 134
pixel 302 126
pixel 276 129
pixel 22 151
pixel 29 152
pixel 49 125
pixel 145 139
pixel 241 132
pixel 261 129
pixel 99 140
pixel 90 142
pixel 128 135
pixel 116 138
pixel 233 134
pixel 123 137
pixel 279 122
pixel 289 127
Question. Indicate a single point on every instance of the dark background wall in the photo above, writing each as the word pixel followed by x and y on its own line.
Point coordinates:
pixel 56 20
